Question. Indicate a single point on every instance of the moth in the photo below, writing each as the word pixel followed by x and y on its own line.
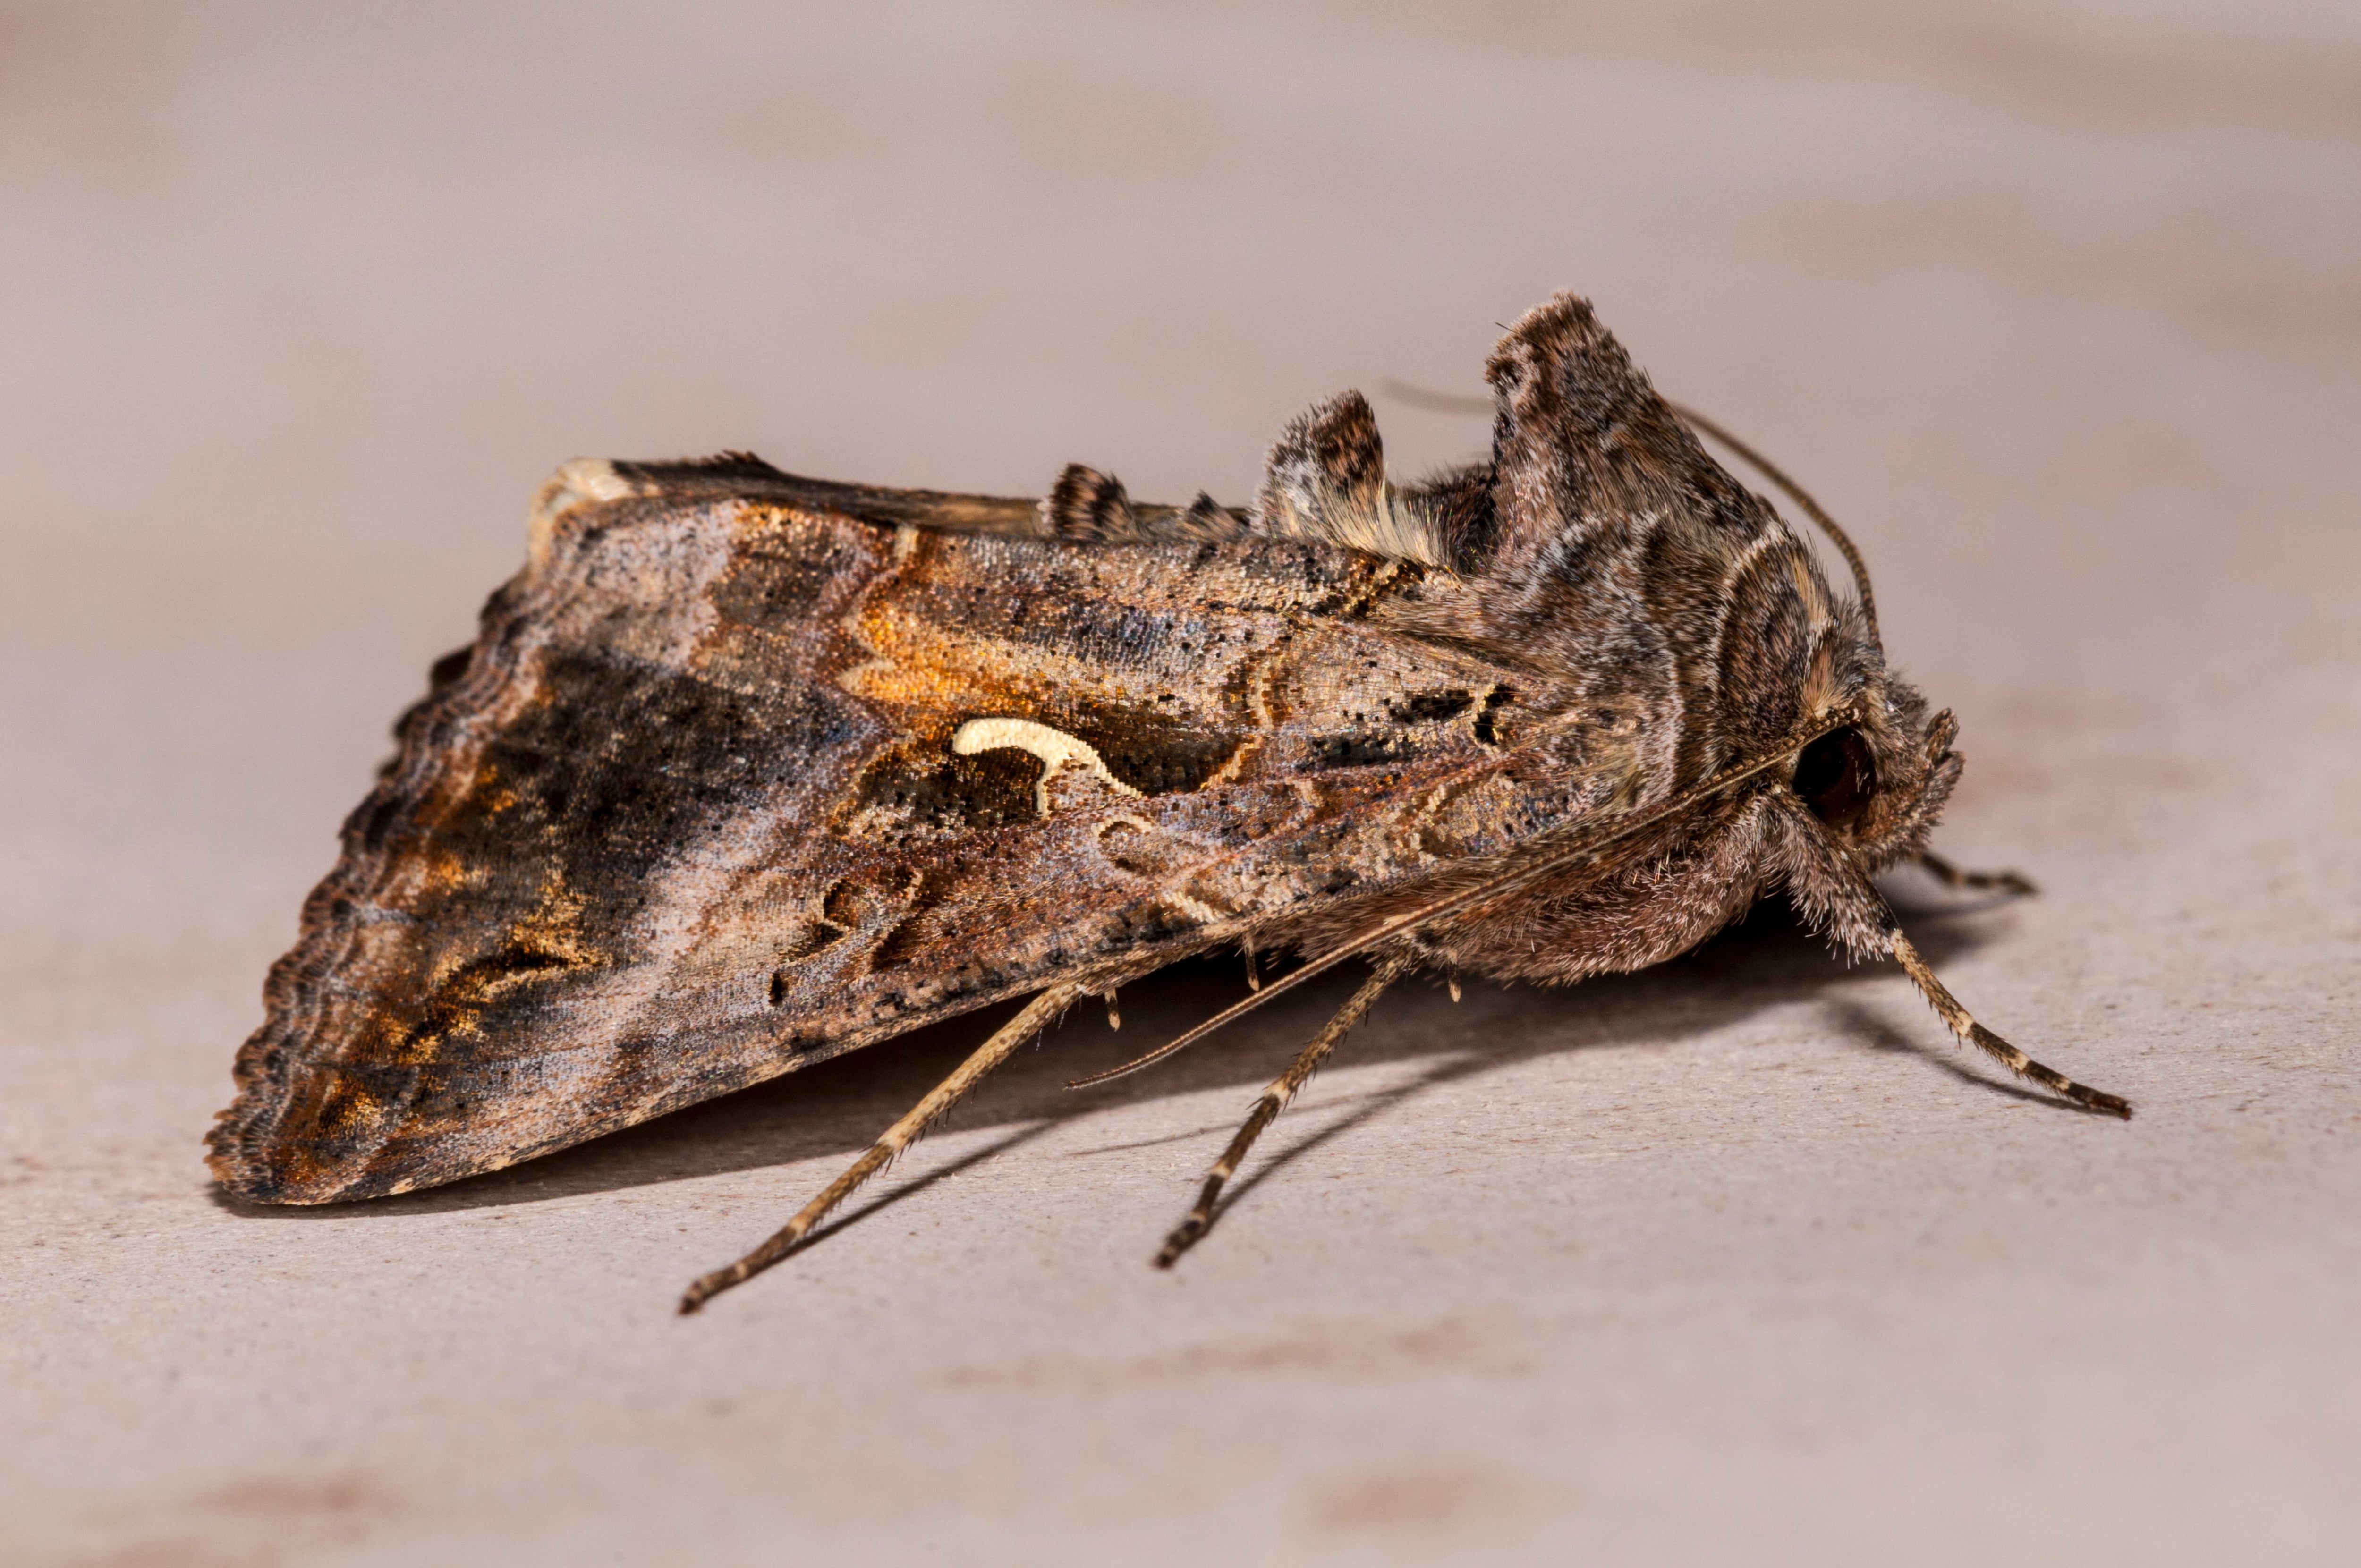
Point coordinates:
pixel 745 771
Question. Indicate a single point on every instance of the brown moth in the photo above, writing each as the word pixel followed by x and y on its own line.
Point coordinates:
pixel 746 771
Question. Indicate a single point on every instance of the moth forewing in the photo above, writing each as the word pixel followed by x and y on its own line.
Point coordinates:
pixel 746 770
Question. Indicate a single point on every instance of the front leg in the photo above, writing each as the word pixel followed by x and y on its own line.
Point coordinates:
pixel 1950 875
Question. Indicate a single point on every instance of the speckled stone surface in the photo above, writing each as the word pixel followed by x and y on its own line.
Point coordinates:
pixel 1738 1261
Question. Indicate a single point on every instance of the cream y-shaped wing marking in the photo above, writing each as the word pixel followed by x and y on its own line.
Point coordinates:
pixel 1057 750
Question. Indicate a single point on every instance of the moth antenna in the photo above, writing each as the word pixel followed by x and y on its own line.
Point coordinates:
pixel 1795 492
pixel 1434 402
pixel 1274 1100
pixel 1550 863
pixel 1038 1015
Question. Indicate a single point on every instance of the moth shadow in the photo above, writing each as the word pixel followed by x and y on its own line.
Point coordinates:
pixel 837 1107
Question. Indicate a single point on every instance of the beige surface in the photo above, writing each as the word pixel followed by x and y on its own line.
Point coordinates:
pixel 1741 1261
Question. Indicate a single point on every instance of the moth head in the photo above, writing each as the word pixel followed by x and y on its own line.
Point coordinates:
pixel 1876 782
pixel 1861 793
pixel 1798 661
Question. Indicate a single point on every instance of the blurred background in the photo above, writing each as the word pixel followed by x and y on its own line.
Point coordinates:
pixel 2057 306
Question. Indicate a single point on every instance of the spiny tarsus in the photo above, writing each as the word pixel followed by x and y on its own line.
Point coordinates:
pixel 1963 1024
pixel 1035 1015
pixel 1275 1099
pixel 1950 875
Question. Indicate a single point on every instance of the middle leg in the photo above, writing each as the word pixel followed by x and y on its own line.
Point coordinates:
pixel 1036 1016
pixel 1273 1101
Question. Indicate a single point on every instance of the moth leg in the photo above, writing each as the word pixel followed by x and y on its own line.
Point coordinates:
pixel 1950 875
pixel 1274 1100
pixel 1964 1024
pixel 1003 1044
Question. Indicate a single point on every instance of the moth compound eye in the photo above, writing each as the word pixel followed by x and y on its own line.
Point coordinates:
pixel 1836 776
